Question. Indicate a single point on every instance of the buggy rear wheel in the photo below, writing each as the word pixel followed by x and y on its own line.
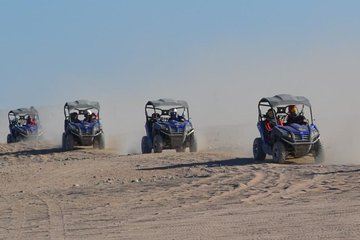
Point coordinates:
pixel 10 138
pixel 146 145
pixel 279 152
pixel 258 151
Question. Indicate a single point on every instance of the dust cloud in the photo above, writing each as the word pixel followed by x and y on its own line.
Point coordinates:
pixel 223 86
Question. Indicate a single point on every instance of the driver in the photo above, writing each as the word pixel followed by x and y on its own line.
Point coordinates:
pixel 87 116
pixel 174 116
pixel 294 116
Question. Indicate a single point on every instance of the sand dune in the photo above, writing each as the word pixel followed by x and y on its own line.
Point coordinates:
pixel 92 194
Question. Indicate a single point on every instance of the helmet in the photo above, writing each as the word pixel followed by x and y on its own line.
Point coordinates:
pixel 293 109
pixel 88 113
pixel 173 113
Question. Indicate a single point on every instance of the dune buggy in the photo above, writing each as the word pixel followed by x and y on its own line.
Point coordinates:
pixel 287 139
pixel 168 126
pixel 82 125
pixel 24 124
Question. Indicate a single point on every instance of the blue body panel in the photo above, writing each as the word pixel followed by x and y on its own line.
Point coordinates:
pixel 25 130
pixel 87 128
pixel 176 127
pixel 295 135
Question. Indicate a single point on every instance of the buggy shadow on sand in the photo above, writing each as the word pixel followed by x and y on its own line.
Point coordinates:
pixel 24 124
pixel 286 138
pixel 82 126
pixel 168 126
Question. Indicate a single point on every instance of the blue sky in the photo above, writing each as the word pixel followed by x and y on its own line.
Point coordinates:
pixel 130 45
pixel 215 54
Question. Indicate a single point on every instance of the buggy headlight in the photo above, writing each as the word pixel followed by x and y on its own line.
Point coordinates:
pixel 286 134
pixel 96 129
pixel 314 133
pixel 74 128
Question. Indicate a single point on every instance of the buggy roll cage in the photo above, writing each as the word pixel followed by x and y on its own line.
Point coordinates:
pixel 81 106
pixel 158 106
pixel 21 113
pixel 278 102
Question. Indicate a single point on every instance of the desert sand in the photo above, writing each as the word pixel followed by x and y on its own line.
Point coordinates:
pixel 94 194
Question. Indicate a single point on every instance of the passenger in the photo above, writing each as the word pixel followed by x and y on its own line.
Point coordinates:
pixel 87 116
pixel 93 117
pixel 269 120
pixel 294 116
pixel 30 121
pixel 155 117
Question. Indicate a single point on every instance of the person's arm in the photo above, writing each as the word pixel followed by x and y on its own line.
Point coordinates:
pixel 268 126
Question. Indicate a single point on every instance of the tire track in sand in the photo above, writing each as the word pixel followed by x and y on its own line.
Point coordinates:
pixel 6 216
pixel 15 217
pixel 29 216
pixel 56 217
pixel 285 183
pixel 200 192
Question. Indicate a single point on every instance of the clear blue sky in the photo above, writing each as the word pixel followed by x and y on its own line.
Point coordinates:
pixel 54 51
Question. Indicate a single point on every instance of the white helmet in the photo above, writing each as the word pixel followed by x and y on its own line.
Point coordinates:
pixel 88 112
pixel 173 112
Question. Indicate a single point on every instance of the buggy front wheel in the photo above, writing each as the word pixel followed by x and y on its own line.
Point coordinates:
pixel 258 151
pixel 10 138
pixel 146 145
pixel 193 143
pixel 279 152
pixel 99 141
pixel 69 142
pixel 318 152
pixel 158 143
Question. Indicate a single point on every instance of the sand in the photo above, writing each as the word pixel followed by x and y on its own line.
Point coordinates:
pixel 94 194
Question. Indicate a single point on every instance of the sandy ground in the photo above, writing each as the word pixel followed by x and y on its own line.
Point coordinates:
pixel 93 194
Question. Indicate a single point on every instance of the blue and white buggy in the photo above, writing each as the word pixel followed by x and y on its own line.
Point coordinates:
pixel 82 125
pixel 286 139
pixel 21 128
pixel 168 126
